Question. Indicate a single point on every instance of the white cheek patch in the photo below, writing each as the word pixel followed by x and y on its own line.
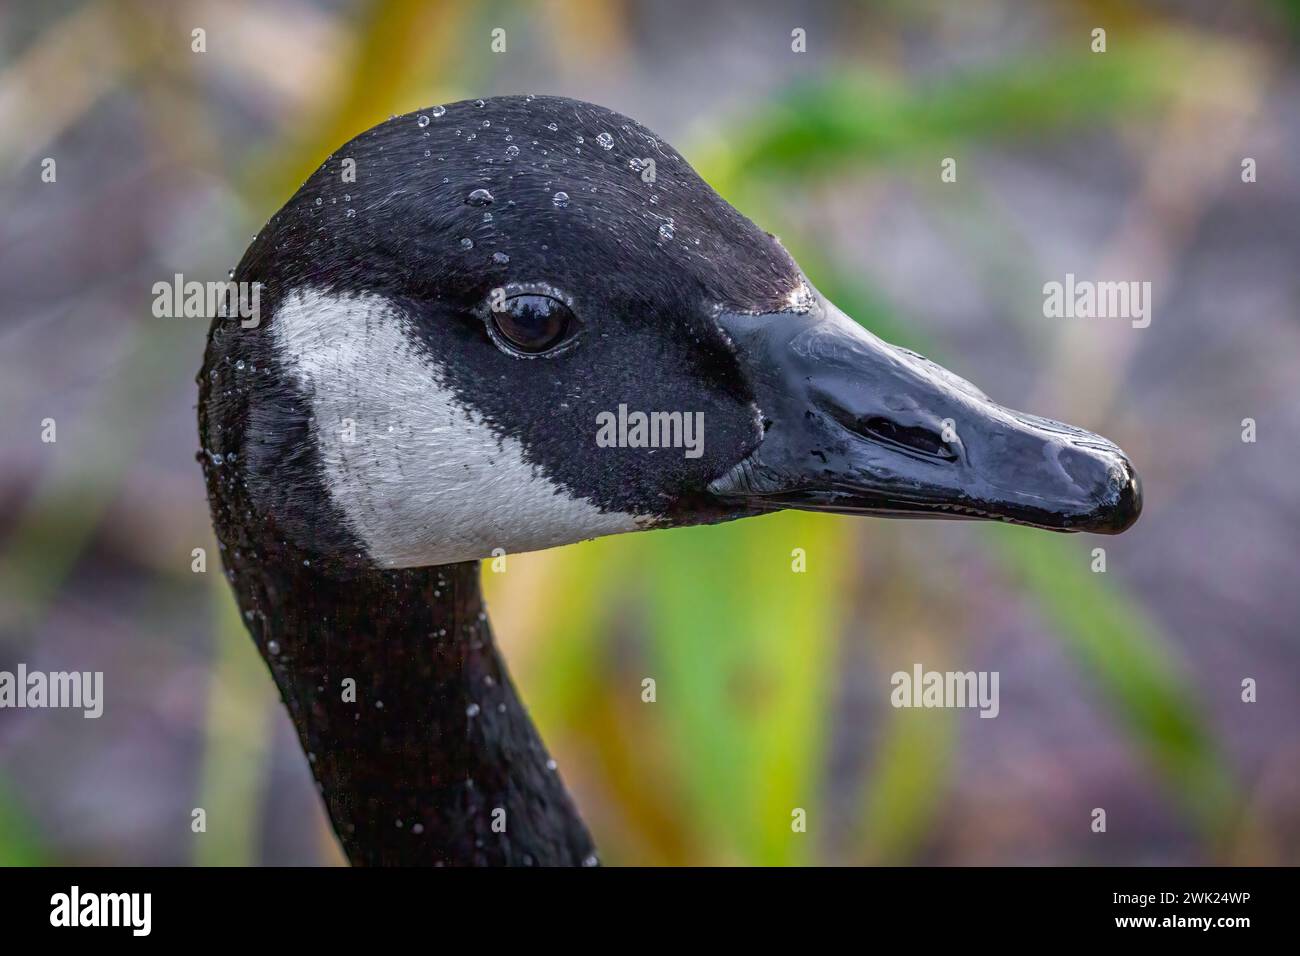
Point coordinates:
pixel 421 479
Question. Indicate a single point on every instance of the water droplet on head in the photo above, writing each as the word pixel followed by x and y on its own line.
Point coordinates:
pixel 500 258
pixel 422 121
pixel 350 213
pixel 487 123
pixel 479 197
pixel 319 200
pixel 605 140
pixel 560 199
pixel 666 231
pixel 273 647
pixel 551 764
pixel 552 127
pixel 467 243
pixel 480 104
pixel 439 111
pixel 240 365
pixel 511 152
pixel 471 710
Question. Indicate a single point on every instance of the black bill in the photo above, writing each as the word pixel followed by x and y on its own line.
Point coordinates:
pixel 854 425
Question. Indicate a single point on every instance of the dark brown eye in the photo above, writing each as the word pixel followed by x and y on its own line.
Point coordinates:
pixel 533 323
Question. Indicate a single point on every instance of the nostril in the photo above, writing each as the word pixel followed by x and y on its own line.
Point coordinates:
pixel 915 437
pixel 884 431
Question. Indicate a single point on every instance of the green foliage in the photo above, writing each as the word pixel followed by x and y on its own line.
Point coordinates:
pixel 20 843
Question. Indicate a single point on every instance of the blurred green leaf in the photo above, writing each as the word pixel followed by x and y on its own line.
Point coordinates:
pixel 743 651
pixel 863 118
pixel 1123 651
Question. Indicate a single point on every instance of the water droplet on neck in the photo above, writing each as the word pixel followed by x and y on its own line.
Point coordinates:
pixel 605 140
pixel 666 231
pixel 479 197
pixel 422 121
pixel 467 243
pixel 560 200
pixel 500 258
pixel 439 111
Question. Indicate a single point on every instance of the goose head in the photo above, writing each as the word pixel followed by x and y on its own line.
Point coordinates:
pixel 515 323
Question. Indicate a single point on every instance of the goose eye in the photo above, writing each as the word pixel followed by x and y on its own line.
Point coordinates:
pixel 533 323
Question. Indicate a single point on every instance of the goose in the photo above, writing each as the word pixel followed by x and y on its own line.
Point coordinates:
pixel 451 306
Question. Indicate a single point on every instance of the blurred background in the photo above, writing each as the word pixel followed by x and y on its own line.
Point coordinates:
pixel 1119 690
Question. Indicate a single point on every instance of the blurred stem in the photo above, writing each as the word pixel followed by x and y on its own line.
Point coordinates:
pixel 908 783
pixel 394 38
pixel 233 775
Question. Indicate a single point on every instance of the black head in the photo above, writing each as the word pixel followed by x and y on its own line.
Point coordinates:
pixel 457 341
